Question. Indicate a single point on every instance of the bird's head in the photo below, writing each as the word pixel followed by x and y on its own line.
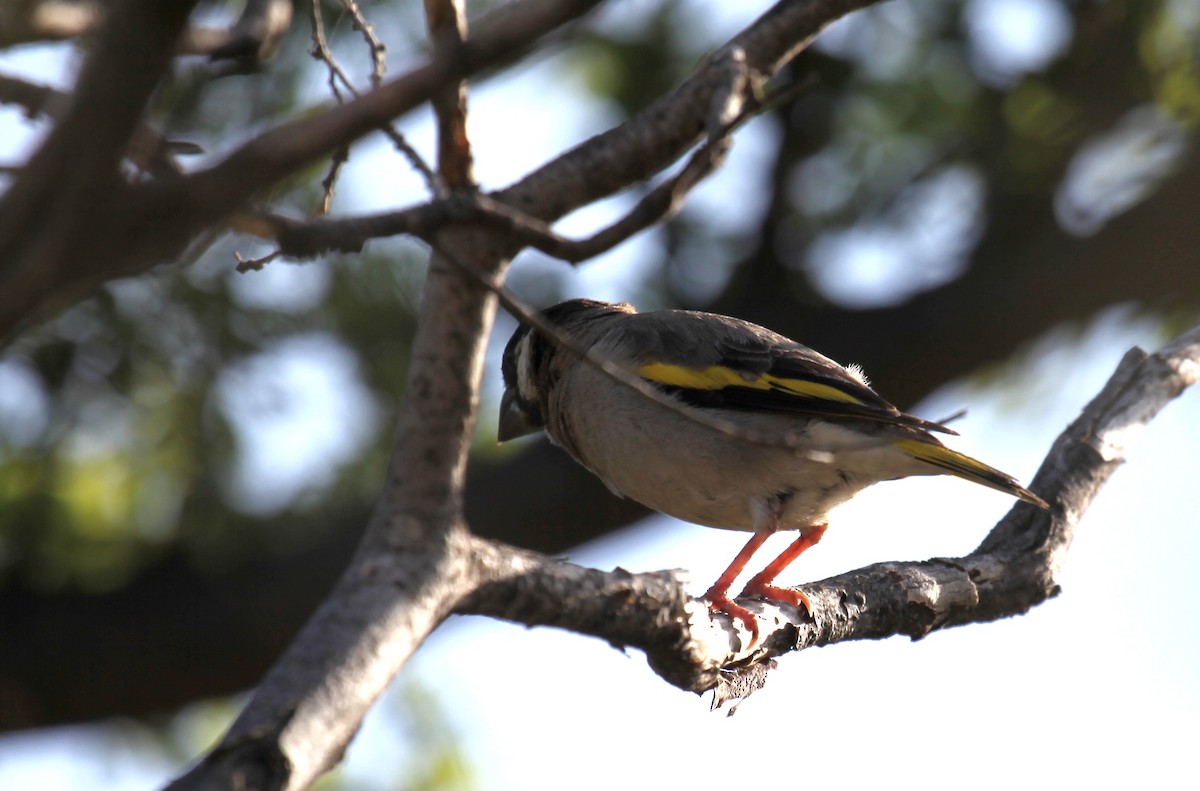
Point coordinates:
pixel 529 362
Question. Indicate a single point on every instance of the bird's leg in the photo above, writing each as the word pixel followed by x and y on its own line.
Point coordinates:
pixel 766 522
pixel 760 583
pixel 718 595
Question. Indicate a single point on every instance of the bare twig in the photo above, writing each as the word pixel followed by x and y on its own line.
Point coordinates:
pixel 336 78
pixel 339 158
pixel 377 48
pixel 339 80
pixel 418 163
pixel 255 264
pixel 447 22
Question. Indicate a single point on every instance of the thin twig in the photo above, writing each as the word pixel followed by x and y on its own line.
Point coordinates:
pixel 339 80
pixel 320 51
pixel 447 22
pixel 254 264
pixel 339 158
pixel 378 48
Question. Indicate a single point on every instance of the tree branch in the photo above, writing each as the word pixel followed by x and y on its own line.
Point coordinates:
pixel 44 216
pixel 732 106
pixel 1014 569
pixel 69 223
pixel 447 22
pixel 414 564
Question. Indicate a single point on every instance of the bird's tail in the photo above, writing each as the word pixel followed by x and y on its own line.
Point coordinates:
pixel 963 466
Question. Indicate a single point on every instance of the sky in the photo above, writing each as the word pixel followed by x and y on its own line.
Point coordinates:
pixel 1095 687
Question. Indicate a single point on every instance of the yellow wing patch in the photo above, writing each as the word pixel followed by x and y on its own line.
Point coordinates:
pixel 715 377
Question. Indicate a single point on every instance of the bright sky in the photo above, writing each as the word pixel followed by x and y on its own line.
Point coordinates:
pixel 1094 688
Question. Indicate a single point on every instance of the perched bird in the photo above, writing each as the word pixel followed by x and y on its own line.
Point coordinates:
pixel 753 431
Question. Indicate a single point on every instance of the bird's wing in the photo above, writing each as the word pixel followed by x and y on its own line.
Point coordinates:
pixel 717 361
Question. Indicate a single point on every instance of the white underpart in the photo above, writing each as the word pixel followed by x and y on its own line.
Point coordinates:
pixel 526 383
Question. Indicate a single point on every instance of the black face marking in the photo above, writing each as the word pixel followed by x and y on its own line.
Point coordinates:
pixel 528 366
pixel 522 394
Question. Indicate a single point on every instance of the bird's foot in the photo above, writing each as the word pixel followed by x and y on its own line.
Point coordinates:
pixel 772 593
pixel 718 601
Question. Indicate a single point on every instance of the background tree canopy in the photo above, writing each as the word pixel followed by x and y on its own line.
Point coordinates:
pixel 188 454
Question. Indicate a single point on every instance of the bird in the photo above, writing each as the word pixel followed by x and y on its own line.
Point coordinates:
pixel 719 422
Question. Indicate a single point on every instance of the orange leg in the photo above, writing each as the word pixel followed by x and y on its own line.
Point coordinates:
pixel 718 595
pixel 760 583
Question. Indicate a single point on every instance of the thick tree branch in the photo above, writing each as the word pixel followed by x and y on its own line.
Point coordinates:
pixel 44 215
pixel 413 565
pixel 1013 570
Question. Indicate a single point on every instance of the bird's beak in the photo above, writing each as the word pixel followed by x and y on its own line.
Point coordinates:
pixel 513 422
